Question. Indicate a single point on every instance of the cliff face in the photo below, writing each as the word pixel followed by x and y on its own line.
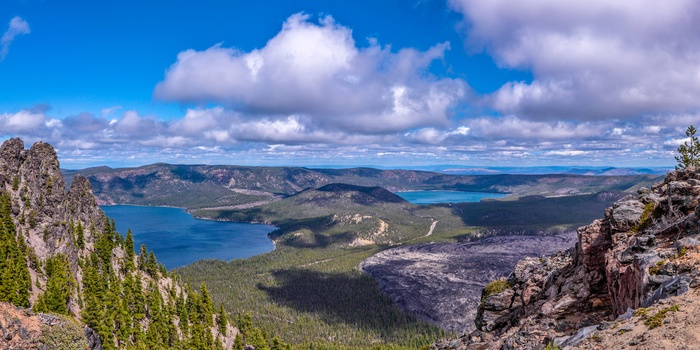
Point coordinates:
pixel 61 255
pixel 43 211
pixel 634 257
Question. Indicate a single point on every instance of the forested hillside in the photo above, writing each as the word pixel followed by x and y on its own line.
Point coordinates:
pixel 59 254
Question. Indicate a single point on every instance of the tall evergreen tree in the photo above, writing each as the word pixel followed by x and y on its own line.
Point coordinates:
pixel 80 235
pixel 222 321
pixel 15 281
pixel 689 151
pixel 207 305
pixel 59 285
pixel 129 248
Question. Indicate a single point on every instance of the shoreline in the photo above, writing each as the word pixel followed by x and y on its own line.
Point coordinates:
pixel 149 235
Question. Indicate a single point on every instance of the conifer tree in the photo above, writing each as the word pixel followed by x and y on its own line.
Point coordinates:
pixel 182 313
pixel 129 248
pixel 689 151
pixel 207 305
pixel 222 321
pixel 15 280
pixel 59 285
pixel 80 232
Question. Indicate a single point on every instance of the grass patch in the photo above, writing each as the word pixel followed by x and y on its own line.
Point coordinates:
pixel 495 287
pixel 654 270
pixel 646 219
pixel 658 318
pixel 552 346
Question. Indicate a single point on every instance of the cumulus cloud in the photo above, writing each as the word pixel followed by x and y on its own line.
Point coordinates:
pixel 517 128
pixel 209 135
pixel 316 71
pixel 17 27
pixel 591 59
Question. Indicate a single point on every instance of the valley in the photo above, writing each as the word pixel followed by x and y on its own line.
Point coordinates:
pixel 313 280
pixel 349 175
pixel 337 244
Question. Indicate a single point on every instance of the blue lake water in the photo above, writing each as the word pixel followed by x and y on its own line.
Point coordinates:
pixel 433 197
pixel 179 239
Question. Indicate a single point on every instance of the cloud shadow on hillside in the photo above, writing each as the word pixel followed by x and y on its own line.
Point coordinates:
pixel 350 298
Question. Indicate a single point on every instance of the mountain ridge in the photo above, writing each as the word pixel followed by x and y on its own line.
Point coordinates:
pixel 207 186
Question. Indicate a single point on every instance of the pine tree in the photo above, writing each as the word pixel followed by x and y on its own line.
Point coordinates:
pixel 15 281
pixel 181 310
pixel 93 290
pixel 222 321
pixel 689 151
pixel 207 305
pixel 80 232
pixel 129 248
pixel 278 344
pixel 59 285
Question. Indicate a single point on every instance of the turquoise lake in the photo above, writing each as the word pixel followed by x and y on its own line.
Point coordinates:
pixel 179 239
pixel 433 197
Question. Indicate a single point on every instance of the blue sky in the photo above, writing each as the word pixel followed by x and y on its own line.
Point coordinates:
pixel 384 82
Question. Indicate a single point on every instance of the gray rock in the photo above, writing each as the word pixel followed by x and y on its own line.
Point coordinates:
pixel 687 243
pixel 675 286
pixel 93 339
pixel 659 279
pixel 626 214
pixel 626 316
pixel 580 336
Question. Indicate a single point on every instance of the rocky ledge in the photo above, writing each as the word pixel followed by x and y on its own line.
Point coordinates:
pixel 642 253
pixel 21 328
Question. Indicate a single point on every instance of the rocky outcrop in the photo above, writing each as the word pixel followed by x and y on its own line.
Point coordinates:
pixel 43 211
pixel 632 258
pixel 65 230
pixel 23 329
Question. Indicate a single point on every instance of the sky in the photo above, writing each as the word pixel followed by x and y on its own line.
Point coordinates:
pixel 387 83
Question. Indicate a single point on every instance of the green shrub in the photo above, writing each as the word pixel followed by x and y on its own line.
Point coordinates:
pixel 552 346
pixel 657 267
pixel 658 318
pixel 496 287
pixel 647 218
pixel 63 335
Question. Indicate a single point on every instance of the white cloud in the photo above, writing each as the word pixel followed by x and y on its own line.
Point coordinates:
pixel 676 142
pixel 23 121
pixel 514 127
pixel 568 153
pixel 429 136
pixel 591 59
pixel 106 112
pixel 17 26
pixel 317 71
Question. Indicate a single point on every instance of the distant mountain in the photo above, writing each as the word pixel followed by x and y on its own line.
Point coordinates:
pixel 591 171
pixel 236 187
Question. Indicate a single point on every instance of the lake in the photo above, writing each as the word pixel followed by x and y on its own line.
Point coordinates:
pixel 179 239
pixel 433 197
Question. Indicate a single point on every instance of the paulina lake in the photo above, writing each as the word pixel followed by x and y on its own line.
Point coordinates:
pixel 179 239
